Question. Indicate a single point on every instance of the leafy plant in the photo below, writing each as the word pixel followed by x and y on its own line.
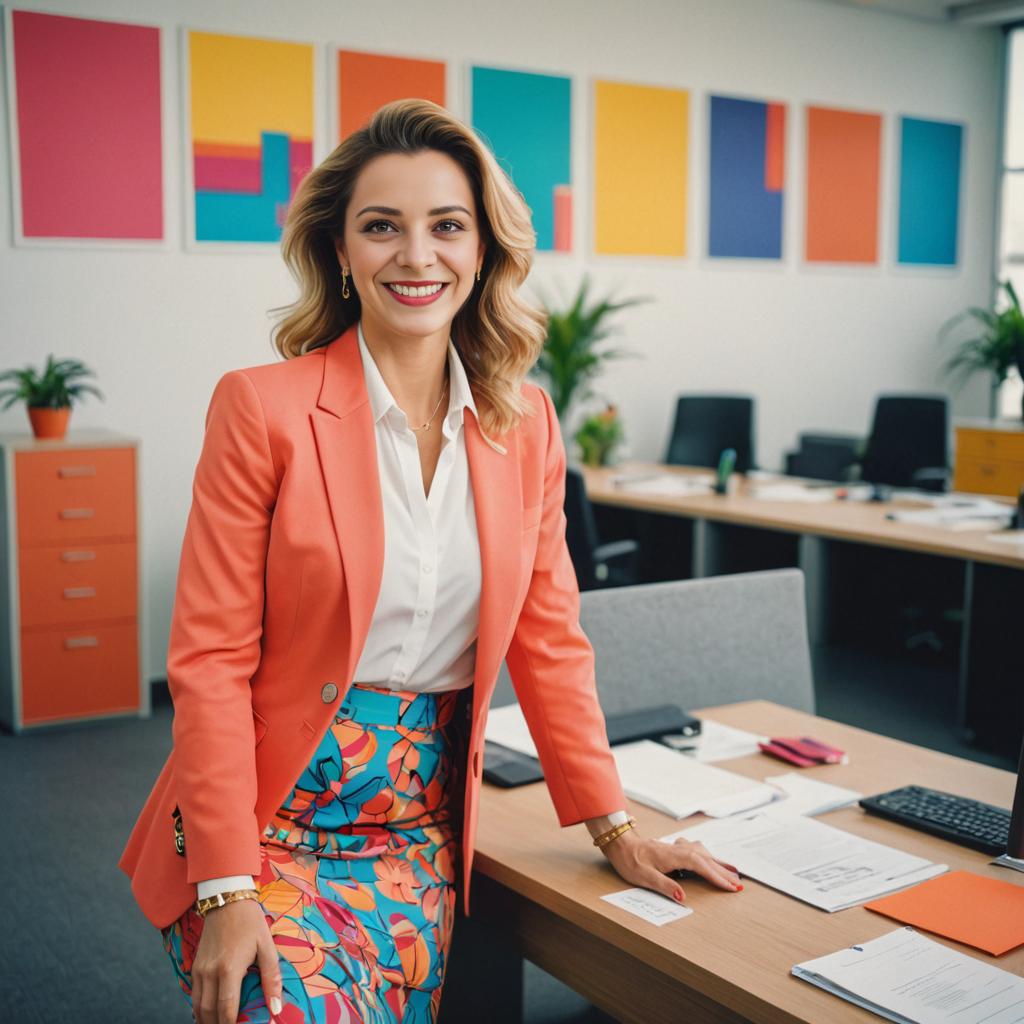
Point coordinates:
pixel 998 346
pixel 599 435
pixel 572 355
pixel 52 389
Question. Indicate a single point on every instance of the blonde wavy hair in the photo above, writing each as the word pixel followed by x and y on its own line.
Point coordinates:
pixel 498 334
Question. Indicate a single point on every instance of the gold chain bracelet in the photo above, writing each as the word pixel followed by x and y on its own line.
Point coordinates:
pixel 222 899
pixel 612 834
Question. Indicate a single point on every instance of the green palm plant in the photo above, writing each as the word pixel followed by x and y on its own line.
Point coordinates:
pixel 54 388
pixel 573 354
pixel 996 348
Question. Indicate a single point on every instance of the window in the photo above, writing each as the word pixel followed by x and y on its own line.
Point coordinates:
pixel 1010 262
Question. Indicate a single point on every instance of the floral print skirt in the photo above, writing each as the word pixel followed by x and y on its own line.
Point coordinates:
pixel 358 868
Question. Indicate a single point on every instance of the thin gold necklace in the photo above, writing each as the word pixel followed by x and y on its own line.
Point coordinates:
pixel 426 426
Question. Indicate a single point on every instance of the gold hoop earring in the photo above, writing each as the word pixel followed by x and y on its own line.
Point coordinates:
pixel 478 274
pixel 345 293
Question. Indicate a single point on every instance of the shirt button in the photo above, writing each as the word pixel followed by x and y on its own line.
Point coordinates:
pixel 328 693
pixel 422 612
pixel 399 675
pixel 428 568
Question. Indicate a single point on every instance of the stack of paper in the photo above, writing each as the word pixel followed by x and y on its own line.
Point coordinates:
pixel 809 860
pixel 507 727
pixel 907 978
pixel 808 796
pixel 669 485
pixel 716 742
pixel 677 785
pixel 792 492
pixel 957 512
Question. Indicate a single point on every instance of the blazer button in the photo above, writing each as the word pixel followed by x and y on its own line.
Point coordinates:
pixel 328 693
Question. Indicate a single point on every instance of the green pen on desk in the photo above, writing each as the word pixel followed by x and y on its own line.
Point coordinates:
pixel 726 463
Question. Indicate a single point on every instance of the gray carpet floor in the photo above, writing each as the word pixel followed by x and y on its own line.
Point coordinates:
pixel 76 950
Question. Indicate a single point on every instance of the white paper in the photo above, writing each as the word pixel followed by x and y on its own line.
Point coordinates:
pixel 507 727
pixel 717 742
pixel 677 785
pixel 910 979
pixel 956 513
pixel 666 484
pixel 792 492
pixel 651 906
pixel 808 796
pixel 811 861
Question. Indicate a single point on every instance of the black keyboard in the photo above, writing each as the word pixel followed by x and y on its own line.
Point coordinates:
pixel 956 818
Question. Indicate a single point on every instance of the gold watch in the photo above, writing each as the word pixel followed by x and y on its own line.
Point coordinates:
pixel 222 899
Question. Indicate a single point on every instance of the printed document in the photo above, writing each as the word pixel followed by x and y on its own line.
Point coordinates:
pixel 675 784
pixel 907 978
pixel 809 860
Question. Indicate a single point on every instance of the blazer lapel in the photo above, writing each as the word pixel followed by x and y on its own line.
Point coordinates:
pixel 497 495
pixel 347 449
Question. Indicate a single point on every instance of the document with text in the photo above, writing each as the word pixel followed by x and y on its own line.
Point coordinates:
pixel 809 860
pixel 907 978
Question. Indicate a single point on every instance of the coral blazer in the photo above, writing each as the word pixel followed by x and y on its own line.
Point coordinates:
pixel 279 574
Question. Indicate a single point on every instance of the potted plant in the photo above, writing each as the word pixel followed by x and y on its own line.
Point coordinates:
pixel 599 435
pixel 572 355
pixel 48 395
pixel 996 348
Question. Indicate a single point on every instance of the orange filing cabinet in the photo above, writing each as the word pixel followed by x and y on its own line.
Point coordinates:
pixel 70 622
pixel 989 457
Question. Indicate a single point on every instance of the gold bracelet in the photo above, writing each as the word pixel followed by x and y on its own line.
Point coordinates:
pixel 612 834
pixel 222 899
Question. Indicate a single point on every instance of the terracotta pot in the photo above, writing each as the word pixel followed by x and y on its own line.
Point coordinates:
pixel 51 424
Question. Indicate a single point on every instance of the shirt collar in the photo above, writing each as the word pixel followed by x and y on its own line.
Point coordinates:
pixel 382 401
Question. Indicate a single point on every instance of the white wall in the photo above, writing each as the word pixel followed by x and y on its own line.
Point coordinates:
pixel 814 344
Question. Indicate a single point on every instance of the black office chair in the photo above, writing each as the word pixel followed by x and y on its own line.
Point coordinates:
pixel 705 425
pixel 909 442
pixel 596 564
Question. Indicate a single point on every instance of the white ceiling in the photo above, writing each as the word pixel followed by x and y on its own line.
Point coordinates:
pixel 965 12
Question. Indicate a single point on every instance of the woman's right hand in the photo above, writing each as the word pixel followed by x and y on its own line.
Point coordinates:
pixel 234 936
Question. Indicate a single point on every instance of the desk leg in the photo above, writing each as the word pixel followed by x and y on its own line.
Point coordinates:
pixel 813 560
pixel 484 977
pixel 707 543
pixel 963 675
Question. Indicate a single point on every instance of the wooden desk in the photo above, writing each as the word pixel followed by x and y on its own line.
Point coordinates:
pixel 539 888
pixel 990 654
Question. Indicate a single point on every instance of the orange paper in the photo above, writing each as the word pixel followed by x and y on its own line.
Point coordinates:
pixel 986 913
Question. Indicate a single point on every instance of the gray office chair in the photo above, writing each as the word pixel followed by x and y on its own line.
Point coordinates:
pixel 698 642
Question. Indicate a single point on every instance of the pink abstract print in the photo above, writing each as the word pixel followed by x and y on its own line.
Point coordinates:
pixel 88 128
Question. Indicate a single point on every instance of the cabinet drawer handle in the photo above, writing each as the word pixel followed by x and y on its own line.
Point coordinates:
pixel 77 513
pixel 77 592
pixel 66 471
pixel 71 642
pixel 77 556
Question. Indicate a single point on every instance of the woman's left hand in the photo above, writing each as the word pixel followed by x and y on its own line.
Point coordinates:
pixel 646 862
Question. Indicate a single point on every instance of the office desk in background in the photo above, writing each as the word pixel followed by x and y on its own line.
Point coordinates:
pixel 537 889
pixel 831 542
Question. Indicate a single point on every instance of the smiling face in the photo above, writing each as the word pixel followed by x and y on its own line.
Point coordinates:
pixel 412 243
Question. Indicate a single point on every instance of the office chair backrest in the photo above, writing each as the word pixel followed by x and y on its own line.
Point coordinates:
pixel 700 642
pixel 909 433
pixel 705 425
pixel 580 528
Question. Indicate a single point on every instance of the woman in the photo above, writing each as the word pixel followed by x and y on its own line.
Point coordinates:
pixel 376 524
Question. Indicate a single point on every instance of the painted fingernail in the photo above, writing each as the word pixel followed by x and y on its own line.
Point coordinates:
pixel 275 1005
pixel 737 887
pixel 678 895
